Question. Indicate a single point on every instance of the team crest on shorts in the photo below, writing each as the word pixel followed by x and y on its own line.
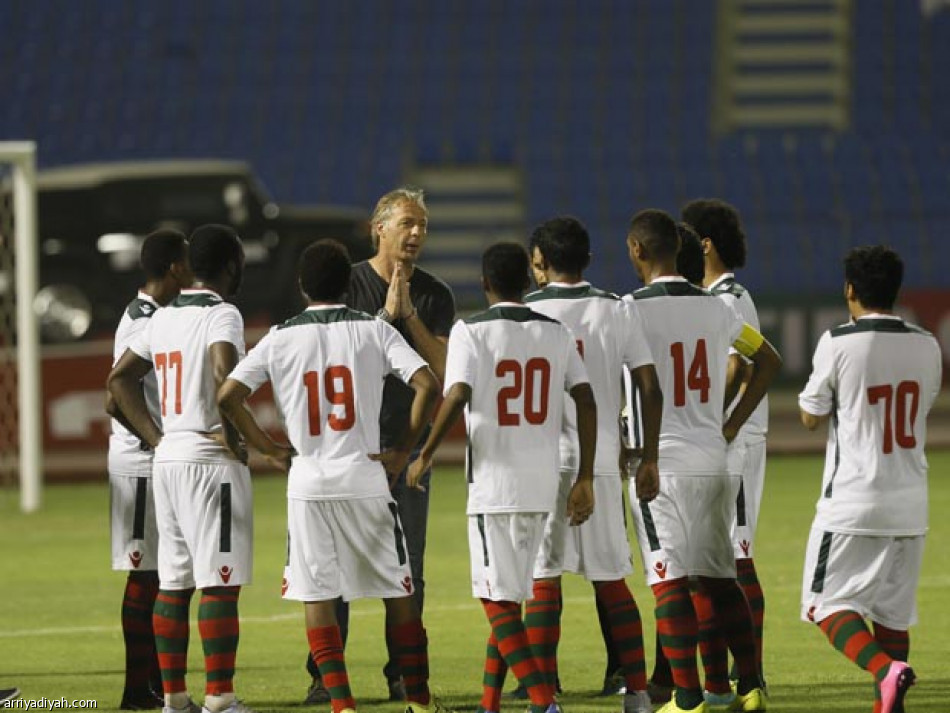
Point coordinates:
pixel 226 573
pixel 811 613
pixel 407 584
pixel 745 547
pixel 660 569
pixel 283 586
pixel 135 558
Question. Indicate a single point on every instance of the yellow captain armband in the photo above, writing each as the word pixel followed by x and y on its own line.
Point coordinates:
pixel 748 342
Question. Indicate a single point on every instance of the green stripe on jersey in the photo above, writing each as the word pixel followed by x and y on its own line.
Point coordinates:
pixel 140 308
pixel 200 300
pixel 670 289
pixel 326 316
pixel 568 293
pixel 729 287
pixel 894 326
pixel 513 314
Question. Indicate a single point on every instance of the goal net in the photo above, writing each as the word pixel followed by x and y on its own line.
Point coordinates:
pixel 21 436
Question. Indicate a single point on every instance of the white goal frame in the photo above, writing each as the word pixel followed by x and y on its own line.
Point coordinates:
pixel 21 155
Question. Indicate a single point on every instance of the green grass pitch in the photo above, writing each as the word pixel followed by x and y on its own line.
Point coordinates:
pixel 59 609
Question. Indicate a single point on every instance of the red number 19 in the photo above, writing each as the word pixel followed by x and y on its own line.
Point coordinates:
pixel 338 390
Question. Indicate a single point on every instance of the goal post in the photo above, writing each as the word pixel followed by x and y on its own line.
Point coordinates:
pixel 23 453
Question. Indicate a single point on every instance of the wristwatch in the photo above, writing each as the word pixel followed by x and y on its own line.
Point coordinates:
pixel 384 315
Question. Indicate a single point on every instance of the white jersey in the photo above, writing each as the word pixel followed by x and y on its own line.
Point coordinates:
pixel 177 342
pixel 327 366
pixel 609 336
pixel 732 293
pixel 877 377
pixel 517 362
pixel 127 456
pixel 689 332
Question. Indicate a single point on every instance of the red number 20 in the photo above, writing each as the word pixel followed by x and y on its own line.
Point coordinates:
pixel 338 391
pixel 534 378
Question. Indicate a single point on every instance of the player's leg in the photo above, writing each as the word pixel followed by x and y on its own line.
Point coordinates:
pixel 317 693
pixel 312 576
pixel 613 676
pixel 176 585
pixel 542 615
pixel 844 577
pixel 502 579
pixel 660 685
pixel 662 536
pixel 413 507
pixel 748 505
pixel 494 677
pixel 223 535
pixel 135 550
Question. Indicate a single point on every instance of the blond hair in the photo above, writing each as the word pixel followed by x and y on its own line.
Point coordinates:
pixel 385 205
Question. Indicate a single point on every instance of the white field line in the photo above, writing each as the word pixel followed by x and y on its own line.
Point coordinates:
pixel 115 629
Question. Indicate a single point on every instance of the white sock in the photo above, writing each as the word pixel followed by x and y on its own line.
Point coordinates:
pixel 216 704
pixel 179 700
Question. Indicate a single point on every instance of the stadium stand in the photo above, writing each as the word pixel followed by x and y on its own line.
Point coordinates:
pixel 604 107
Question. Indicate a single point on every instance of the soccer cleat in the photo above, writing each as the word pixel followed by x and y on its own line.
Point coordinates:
pixel 894 685
pixel 719 700
pixel 435 706
pixel 752 701
pixel 191 707
pixel 144 700
pixel 484 710
pixel 235 707
pixel 659 693
pixel 614 684
pixel 671 707
pixel 397 690
pixel 8 694
pixel 637 702
pixel 317 694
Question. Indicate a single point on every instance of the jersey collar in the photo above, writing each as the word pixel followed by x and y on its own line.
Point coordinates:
pixel 200 291
pixel 668 278
pixel 313 308
pixel 145 297
pixel 722 278
pixel 568 285
pixel 509 304
pixel 878 315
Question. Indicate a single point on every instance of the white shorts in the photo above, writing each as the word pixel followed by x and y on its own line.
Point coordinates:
pixel 503 548
pixel 134 533
pixel 205 524
pixel 350 548
pixel 749 460
pixel 874 576
pixel 685 530
pixel 598 549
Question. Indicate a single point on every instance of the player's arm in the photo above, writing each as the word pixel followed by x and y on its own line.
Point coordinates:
pixel 426 388
pixel 430 347
pixel 125 387
pixel 811 421
pixel 580 501
pixel 453 405
pixel 766 363
pixel 738 374
pixel 112 408
pixel 224 357
pixel 232 397
pixel 647 478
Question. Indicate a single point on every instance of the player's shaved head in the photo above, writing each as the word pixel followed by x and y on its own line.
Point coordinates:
pixel 159 250
pixel 505 269
pixel 875 272
pixel 655 230
pixel 324 271
pixel 211 248
pixel 689 260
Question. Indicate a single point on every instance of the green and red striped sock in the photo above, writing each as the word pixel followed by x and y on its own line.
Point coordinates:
pixel 219 628
pixel 678 630
pixel 141 658
pixel 326 648
pixel 735 622
pixel 749 581
pixel 542 622
pixel 170 623
pixel 626 631
pixel 895 642
pixel 412 656
pixel 509 631
pixel 713 648
pixel 494 678
pixel 848 633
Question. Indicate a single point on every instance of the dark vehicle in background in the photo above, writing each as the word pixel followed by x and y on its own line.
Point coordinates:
pixel 93 218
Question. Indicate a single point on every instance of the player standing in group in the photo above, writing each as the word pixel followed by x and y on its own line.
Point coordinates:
pixel 327 366
pixel 421 307
pixel 724 248
pixel 506 368
pixel 134 536
pixel 685 531
pixel 873 382
pixel 609 337
pixel 202 485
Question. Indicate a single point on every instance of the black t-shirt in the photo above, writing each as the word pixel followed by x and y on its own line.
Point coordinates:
pixel 435 304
